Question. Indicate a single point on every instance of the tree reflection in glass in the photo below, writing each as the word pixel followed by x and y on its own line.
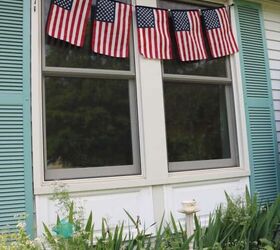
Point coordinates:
pixel 87 122
pixel 196 122
pixel 61 54
pixel 209 67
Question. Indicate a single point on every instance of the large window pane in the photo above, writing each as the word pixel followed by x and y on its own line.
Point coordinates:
pixel 87 123
pixel 61 54
pixel 196 122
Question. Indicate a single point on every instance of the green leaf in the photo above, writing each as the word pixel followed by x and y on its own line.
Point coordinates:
pixel 173 224
pixel 48 234
pixel 269 248
pixel 71 213
pixel 89 223
pixel 131 218
pixel 57 220
pixel 247 196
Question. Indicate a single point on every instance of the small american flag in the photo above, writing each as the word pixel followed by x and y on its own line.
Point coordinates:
pixel 68 19
pixel 188 33
pixel 219 33
pixel 111 28
pixel 153 33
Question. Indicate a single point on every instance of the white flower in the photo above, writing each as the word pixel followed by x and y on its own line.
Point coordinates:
pixel 37 240
pixel 21 225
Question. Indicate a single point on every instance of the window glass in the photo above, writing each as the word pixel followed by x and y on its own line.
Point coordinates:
pixel 216 68
pixel 209 67
pixel 87 122
pixel 196 122
pixel 61 54
pixel 167 4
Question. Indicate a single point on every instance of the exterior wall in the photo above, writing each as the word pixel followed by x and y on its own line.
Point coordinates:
pixel 156 191
pixel 148 203
pixel 272 27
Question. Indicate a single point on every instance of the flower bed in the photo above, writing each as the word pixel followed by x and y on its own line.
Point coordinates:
pixel 241 224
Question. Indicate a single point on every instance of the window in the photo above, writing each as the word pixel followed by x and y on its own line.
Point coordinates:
pixel 199 111
pixel 90 111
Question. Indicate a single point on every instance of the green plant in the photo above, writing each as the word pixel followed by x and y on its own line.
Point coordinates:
pixel 243 224
pixel 18 240
pixel 66 236
pixel 68 233
pixel 174 236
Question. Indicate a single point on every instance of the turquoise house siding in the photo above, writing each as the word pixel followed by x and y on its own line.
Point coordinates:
pixel 258 101
pixel 16 194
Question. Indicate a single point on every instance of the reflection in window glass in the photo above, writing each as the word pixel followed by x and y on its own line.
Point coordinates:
pixel 196 122
pixel 87 122
pixel 209 67
pixel 61 54
pixel 216 68
pixel 179 5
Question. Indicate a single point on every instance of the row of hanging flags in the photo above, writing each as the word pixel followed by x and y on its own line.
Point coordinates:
pixel 67 21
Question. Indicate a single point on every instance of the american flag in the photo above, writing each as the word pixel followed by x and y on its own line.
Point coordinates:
pixel 153 33
pixel 188 33
pixel 111 28
pixel 219 33
pixel 68 19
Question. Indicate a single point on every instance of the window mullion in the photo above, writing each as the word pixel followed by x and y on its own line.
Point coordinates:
pixel 88 73
pixel 197 79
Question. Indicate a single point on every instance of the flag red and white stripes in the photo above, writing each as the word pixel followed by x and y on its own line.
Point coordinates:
pixel 153 33
pixel 68 19
pixel 219 32
pixel 111 28
pixel 188 33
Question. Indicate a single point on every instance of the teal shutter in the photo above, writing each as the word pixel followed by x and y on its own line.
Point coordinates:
pixel 16 194
pixel 258 100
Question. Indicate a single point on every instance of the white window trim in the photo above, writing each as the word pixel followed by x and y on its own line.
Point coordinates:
pixel 152 135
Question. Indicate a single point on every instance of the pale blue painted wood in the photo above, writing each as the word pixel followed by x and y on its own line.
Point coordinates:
pixel 27 115
pixel 258 100
pixel 16 194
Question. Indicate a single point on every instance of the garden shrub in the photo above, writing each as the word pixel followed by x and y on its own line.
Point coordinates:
pixel 240 224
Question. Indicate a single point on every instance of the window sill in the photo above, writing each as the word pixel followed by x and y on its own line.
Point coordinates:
pixel 125 182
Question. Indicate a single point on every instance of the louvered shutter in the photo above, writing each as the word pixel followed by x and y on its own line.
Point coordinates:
pixel 258 100
pixel 16 193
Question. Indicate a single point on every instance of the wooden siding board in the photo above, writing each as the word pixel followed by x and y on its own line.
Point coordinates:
pixel 272 27
pixel 271 14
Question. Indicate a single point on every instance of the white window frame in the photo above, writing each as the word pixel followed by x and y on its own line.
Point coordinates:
pixel 217 81
pixel 93 73
pixel 151 118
